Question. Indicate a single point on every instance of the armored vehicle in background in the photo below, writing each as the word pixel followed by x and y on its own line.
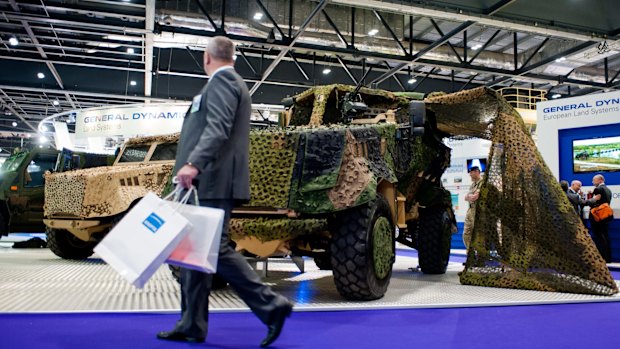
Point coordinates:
pixel 22 184
pixel 354 171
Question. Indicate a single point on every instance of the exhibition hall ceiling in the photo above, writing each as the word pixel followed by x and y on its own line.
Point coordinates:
pixel 62 55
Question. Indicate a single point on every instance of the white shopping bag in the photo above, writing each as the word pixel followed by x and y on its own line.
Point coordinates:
pixel 140 243
pixel 200 247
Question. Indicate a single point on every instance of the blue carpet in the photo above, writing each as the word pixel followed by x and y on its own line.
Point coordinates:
pixel 549 326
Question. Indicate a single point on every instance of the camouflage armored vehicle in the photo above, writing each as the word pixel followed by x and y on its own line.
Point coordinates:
pixel 81 206
pixel 22 183
pixel 354 172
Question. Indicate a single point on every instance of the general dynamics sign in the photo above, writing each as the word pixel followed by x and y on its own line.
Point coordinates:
pixel 131 120
pixel 589 107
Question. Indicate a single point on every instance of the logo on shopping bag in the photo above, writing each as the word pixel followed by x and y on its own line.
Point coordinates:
pixel 153 222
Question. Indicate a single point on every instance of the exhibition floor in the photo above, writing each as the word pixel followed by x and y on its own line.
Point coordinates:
pixel 48 302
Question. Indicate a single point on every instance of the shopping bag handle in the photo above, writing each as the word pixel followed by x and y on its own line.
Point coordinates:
pixel 175 195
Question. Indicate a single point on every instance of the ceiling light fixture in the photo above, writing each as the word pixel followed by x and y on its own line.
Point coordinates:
pixel 40 75
pixel 557 95
pixel 42 140
pixel 412 81
pixel 561 59
pixel 13 41
pixel 326 71
pixel 373 32
pixel 91 50
pixel 133 83
pixel 14 123
pixel 476 47
pixel 131 50
pixel 55 102
pixel 258 16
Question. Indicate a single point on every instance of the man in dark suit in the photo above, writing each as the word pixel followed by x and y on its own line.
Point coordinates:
pixel 214 149
pixel 600 230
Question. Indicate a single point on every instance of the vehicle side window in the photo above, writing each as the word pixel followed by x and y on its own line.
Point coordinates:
pixel 135 154
pixel 36 169
pixel 166 151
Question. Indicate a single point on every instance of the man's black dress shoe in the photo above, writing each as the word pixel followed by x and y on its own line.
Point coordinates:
pixel 274 329
pixel 179 337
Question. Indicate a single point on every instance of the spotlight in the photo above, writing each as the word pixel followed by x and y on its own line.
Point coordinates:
pixel 44 128
pixel 258 16
pixel 476 47
pixel 40 75
pixel 13 41
pixel 42 140
pixel 14 124
pixel 133 83
pixel 411 81
pixel 326 71
pixel 55 102
pixel 373 32
pixel 557 95
pixel 131 50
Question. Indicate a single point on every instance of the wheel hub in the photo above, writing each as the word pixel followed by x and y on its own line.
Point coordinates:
pixel 383 254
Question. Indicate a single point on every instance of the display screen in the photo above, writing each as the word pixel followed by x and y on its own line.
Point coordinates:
pixel 596 155
pixel 481 163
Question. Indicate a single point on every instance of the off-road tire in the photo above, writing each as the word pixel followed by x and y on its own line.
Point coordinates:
pixel 352 252
pixel 217 284
pixel 68 246
pixel 323 261
pixel 434 240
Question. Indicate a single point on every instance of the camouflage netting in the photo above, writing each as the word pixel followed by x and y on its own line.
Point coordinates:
pixel 526 234
pixel 269 229
pixel 170 138
pixel 102 191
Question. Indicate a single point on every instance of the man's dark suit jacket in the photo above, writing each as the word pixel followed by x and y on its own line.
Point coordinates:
pixel 215 138
pixel 575 200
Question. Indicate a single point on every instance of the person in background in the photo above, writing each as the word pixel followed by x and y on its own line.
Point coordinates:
pixel 564 185
pixel 600 230
pixel 214 149
pixel 575 197
pixel 471 197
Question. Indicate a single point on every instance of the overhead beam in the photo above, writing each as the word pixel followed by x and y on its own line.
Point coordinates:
pixel 424 9
pixel 268 14
pixel 484 46
pixel 299 67
pixel 346 69
pixel 447 42
pixel 206 13
pixel 149 25
pixel 424 51
pixel 534 52
pixel 10 107
pixel 389 29
pixel 319 7
pixel 335 27
pixel 498 6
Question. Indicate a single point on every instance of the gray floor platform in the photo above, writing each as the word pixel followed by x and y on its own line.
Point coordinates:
pixel 35 280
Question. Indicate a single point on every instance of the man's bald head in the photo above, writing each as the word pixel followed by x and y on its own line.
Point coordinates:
pixel 219 52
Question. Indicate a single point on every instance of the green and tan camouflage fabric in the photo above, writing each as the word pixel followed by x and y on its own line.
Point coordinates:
pixel 526 234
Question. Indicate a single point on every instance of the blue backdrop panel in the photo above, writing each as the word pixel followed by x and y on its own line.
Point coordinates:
pixel 565 139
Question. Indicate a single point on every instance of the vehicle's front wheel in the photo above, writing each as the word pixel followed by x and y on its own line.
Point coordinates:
pixel 363 251
pixel 68 246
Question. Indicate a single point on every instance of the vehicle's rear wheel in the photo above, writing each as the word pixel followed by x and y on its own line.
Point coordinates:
pixel 434 240
pixel 68 246
pixel 323 261
pixel 363 251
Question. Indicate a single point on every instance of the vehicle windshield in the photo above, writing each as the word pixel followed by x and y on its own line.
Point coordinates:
pixel 165 151
pixel 135 153
pixel 12 163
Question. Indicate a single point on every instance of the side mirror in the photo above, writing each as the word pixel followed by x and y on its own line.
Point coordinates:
pixel 417 117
